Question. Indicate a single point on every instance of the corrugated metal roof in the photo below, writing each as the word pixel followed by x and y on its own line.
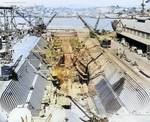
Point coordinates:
pixel 23 48
pixel 107 97
pixel 17 92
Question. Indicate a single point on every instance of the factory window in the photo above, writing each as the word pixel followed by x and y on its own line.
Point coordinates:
pixel 143 35
pixel 124 29
pixel 147 36
pixel 130 31
pixel 138 33
pixel 134 32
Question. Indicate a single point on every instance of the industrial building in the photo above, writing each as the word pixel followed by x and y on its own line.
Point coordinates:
pixel 136 32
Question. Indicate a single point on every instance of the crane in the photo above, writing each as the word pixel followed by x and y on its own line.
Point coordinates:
pixel 50 20
pixel 7 72
pixel 7 12
pixel 93 34
pixel 85 23
pixel 97 23
pixel 40 27
pixel 24 18
pixel 95 118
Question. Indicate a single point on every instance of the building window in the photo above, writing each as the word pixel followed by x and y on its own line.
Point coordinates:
pixel 131 31
pixel 143 35
pixel 124 29
pixel 147 36
pixel 134 32
pixel 139 34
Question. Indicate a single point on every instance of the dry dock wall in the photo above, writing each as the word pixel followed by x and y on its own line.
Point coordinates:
pixel 132 94
pixel 116 89
pixel 65 34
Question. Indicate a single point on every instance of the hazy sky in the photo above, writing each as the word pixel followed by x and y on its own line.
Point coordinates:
pixel 81 3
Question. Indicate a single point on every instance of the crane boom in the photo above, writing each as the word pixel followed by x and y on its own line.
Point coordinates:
pixel 85 23
pixel 97 23
pixel 23 18
pixel 89 27
pixel 50 20
pixel 79 106
pixel 95 118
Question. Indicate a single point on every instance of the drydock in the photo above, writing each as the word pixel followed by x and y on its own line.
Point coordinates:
pixel 67 76
pixel 71 75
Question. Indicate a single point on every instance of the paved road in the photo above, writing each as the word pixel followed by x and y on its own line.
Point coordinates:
pixel 143 62
pixel 131 70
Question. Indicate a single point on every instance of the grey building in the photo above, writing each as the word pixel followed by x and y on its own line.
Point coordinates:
pixel 136 32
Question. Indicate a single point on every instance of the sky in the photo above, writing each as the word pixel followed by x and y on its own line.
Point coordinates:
pixel 76 3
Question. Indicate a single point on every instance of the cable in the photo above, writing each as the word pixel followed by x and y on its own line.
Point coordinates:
pixel 105 25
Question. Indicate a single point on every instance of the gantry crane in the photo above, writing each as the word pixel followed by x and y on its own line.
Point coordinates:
pixel 7 12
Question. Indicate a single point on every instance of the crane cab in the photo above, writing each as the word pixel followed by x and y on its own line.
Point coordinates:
pixel 6 73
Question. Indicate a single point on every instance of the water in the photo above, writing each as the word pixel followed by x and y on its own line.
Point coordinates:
pixel 77 23
pixel 74 22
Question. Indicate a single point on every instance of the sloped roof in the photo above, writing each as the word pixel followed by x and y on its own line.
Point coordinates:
pixel 134 24
pixel 137 38
pixel 143 18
